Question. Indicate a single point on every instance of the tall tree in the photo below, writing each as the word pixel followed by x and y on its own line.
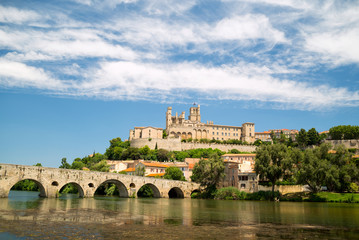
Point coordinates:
pixel 272 161
pixel 208 173
pixel 313 137
pixel 302 138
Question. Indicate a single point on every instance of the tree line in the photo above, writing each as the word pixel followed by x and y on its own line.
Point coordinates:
pixel 315 167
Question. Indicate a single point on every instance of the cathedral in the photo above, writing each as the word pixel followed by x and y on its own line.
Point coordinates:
pixel 193 128
pixel 179 126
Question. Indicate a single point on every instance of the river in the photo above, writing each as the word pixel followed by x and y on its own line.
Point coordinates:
pixel 26 216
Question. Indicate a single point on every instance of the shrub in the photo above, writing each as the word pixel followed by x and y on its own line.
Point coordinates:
pixel 353 187
pixel 229 193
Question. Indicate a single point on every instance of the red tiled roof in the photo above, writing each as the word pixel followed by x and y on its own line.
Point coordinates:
pixel 154 165
pixel 155 174
pixel 129 170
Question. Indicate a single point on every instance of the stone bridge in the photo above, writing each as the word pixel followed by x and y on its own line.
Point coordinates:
pixel 51 180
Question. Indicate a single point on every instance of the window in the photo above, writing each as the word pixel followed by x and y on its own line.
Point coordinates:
pixel 212 133
pixel 217 133
pixel 243 185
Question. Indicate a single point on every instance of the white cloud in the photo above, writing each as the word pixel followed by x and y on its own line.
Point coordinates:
pixel 246 27
pixel 15 74
pixel 14 15
pixel 61 44
pixel 155 82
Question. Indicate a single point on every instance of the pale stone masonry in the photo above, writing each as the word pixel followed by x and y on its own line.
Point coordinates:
pixel 179 127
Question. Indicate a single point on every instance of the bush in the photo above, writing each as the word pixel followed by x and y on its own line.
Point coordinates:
pixel 353 188
pixel 230 193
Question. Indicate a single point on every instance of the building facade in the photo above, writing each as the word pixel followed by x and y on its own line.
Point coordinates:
pixel 145 132
pixel 178 126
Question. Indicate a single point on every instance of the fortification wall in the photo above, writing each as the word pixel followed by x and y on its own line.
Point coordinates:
pixel 222 147
pixel 170 144
pixel 353 143
pixel 175 144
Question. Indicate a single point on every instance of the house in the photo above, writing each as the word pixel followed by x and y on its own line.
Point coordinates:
pixel 151 167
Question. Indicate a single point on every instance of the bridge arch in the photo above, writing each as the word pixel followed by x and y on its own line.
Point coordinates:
pixel 40 185
pixel 78 186
pixel 175 192
pixel 155 191
pixel 120 187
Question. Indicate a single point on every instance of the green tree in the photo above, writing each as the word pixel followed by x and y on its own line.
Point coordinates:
pixel 313 137
pixel 312 168
pixel 140 171
pixel 208 173
pixel 273 137
pixel 101 166
pixel 65 164
pixel 174 173
pixel 38 165
pixel 302 138
pixel 162 155
pixel 272 161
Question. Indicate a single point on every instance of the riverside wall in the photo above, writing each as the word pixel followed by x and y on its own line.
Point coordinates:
pixel 175 144
pixel 283 189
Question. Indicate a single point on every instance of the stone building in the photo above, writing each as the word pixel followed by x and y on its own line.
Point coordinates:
pixel 180 127
pixel 145 132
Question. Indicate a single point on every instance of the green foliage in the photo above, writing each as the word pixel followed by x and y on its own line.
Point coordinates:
pixel 313 137
pixel 230 193
pixel 318 167
pixel 353 188
pixel 174 173
pixel 110 190
pixel 101 166
pixel 140 171
pixel 344 132
pixel 162 155
pixel 302 138
pixel 145 192
pixel 272 162
pixel 38 165
pixel 107 189
pixel 114 152
pixel 164 134
pixel 26 185
pixel 208 173
pixel 257 142
pixel 69 188
pixel 65 164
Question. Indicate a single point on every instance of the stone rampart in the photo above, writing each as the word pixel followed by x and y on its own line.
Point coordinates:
pixel 352 143
pixel 175 144
pixel 222 147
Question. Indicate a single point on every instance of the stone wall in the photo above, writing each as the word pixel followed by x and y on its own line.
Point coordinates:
pixel 175 144
pixel 170 144
pixel 222 147
pixel 353 143
pixel 283 189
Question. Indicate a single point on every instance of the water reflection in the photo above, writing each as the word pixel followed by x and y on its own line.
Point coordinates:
pixel 113 217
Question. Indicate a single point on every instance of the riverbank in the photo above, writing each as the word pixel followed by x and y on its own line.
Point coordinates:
pixel 321 197
pixel 231 193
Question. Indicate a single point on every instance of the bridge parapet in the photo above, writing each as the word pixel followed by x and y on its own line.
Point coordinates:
pixel 51 180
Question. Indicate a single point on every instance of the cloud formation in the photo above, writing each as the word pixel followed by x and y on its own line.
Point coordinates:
pixel 262 50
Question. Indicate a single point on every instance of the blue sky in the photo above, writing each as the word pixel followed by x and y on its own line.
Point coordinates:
pixel 75 74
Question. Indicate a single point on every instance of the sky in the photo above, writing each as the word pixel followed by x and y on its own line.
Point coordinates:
pixel 76 73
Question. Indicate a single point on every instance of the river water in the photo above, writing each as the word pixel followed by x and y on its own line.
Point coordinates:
pixel 26 216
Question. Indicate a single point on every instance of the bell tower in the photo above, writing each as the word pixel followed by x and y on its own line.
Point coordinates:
pixel 194 113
